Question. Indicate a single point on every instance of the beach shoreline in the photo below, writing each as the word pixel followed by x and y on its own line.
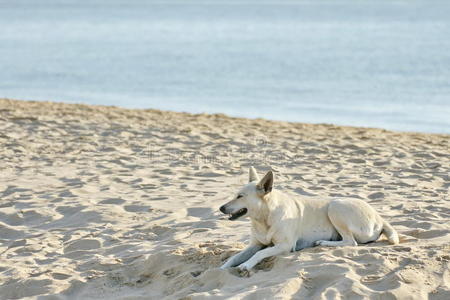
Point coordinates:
pixel 107 202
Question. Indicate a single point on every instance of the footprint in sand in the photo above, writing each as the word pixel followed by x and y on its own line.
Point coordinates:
pixel 83 244
pixel 18 289
pixel 79 248
pixel 10 216
pixel 137 208
pixel 115 250
pixel 11 189
pixel 60 276
pixel 379 163
pixel 67 194
pixel 376 196
pixel 427 234
pixel 112 201
pixel 9 233
pixel 356 161
pixel 200 212
pixel 159 198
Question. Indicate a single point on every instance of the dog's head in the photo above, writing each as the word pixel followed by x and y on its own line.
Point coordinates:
pixel 250 198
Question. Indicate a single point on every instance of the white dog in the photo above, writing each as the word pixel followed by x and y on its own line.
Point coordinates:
pixel 281 224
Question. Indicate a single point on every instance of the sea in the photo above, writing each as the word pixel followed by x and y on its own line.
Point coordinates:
pixel 370 63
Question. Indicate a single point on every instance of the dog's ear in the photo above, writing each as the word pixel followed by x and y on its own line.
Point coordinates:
pixel 266 184
pixel 252 175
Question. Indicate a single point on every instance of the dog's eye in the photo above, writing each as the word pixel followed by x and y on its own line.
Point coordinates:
pixel 239 196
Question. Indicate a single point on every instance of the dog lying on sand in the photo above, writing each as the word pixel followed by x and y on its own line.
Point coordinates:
pixel 281 224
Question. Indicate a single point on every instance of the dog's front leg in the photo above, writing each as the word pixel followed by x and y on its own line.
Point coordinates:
pixel 271 251
pixel 242 256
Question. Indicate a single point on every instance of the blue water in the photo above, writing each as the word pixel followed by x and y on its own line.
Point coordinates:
pixel 367 63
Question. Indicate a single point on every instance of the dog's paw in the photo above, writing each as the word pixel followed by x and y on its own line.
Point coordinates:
pixel 320 243
pixel 240 271
pixel 243 272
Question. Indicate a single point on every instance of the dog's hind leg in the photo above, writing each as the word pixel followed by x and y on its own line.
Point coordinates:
pixel 341 224
pixel 347 239
pixel 302 244
pixel 242 256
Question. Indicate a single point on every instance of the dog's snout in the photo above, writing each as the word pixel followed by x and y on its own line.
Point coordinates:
pixel 222 208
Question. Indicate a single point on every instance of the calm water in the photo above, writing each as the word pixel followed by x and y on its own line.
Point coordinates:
pixel 368 63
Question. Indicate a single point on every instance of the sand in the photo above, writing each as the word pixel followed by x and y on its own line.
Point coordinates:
pixel 108 203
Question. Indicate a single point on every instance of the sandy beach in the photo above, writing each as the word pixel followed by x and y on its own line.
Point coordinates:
pixel 102 202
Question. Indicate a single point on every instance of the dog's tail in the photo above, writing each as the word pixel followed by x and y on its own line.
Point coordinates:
pixel 390 233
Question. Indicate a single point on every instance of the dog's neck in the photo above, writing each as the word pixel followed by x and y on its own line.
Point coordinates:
pixel 262 218
pixel 261 223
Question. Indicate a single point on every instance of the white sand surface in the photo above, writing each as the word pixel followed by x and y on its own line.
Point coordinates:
pixel 109 203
